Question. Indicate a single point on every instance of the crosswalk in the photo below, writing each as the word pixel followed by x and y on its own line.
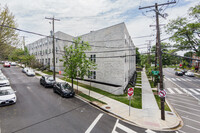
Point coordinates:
pixel 181 79
pixel 190 91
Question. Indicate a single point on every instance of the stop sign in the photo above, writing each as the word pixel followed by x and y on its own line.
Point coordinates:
pixel 180 65
pixel 130 91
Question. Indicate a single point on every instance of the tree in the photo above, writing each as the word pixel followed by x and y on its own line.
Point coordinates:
pixel 8 36
pixel 138 58
pixel 76 63
pixel 185 31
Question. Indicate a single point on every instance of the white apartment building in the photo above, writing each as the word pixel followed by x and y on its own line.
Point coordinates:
pixel 111 49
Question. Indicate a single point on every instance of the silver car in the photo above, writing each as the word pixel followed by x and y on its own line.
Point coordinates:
pixel 4 81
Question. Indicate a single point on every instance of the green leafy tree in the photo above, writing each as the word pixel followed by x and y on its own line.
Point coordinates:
pixel 76 63
pixel 8 36
pixel 138 58
pixel 185 31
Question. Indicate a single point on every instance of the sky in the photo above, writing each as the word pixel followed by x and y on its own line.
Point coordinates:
pixel 79 17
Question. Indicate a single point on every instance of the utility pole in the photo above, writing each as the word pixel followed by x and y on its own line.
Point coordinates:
pixel 54 64
pixel 159 52
pixel 149 50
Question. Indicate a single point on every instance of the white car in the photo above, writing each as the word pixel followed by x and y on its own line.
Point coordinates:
pixel 7 96
pixel 189 73
pixel 4 81
pixel 30 72
pixel 13 64
pixel 25 69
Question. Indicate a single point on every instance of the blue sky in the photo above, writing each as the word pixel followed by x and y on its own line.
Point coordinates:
pixel 82 16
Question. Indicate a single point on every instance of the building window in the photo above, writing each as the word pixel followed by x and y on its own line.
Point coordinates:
pixel 49 61
pixel 93 58
pixel 56 60
pixel 46 61
pixel 46 51
pixel 92 74
pixel 49 51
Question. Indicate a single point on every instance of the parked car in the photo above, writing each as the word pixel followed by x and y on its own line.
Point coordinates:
pixel 4 81
pixel 179 73
pixel 64 89
pixel 184 71
pixel 6 64
pixel 189 73
pixel 7 96
pixel 30 72
pixel 13 64
pixel 47 81
pixel 24 70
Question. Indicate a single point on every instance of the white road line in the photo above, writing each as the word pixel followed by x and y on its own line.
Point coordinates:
pixel 170 90
pixel 181 131
pixel 185 107
pixel 187 112
pixel 195 91
pixel 113 131
pixel 186 91
pixel 190 119
pixel 178 79
pixel 188 79
pixel 169 79
pixel 183 79
pixel 186 103
pixel 94 123
pixel 193 127
pixel 128 130
pixel 173 79
pixel 178 90
pixel 198 89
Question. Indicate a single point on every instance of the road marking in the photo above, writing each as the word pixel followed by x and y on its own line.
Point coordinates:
pixel 188 112
pixel 122 127
pixel 149 131
pixel 178 79
pixel 193 127
pixel 178 90
pixel 181 131
pixel 183 79
pixel 190 119
pixel 170 90
pixel 173 79
pixel 198 89
pixel 169 79
pixel 186 91
pixel 185 103
pixel 188 79
pixel 195 91
pixel 94 123
pixel 185 107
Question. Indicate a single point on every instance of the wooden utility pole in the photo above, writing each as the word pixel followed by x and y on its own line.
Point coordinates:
pixel 159 52
pixel 54 64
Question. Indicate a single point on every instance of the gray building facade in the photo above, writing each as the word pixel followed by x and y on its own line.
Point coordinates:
pixel 111 49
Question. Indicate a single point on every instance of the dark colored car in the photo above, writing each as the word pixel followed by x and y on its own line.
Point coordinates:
pixel 64 89
pixel 179 73
pixel 183 71
pixel 47 81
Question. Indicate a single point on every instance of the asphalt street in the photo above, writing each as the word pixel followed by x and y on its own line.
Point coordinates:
pixel 39 110
pixel 183 95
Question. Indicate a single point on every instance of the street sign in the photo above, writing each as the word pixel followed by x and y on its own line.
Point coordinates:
pixel 180 65
pixel 162 93
pixel 130 91
pixel 155 72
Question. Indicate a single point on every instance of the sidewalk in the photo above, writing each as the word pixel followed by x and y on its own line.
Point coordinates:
pixel 147 117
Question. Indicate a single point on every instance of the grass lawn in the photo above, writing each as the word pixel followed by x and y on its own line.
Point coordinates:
pixel 90 98
pixel 48 72
pixel 37 74
pixel 158 101
pixel 135 102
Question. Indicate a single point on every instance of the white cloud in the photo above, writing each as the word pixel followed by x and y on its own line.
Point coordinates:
pixel 81 16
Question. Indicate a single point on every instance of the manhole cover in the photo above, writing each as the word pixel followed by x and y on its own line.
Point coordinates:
pixel 107 107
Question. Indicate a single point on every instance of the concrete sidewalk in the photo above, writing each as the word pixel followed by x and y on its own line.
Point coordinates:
pixel 147 117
